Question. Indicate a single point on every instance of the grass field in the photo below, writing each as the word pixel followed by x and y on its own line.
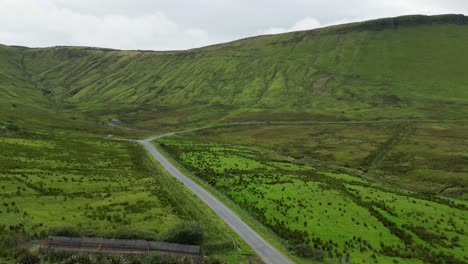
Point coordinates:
pixel 326 193
pixel 91 186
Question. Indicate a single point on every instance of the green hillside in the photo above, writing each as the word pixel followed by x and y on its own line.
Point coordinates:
pixel 402 67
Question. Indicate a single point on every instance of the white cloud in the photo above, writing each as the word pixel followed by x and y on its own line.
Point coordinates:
pixel 181 24
pixel 303 24
pixel 307 23
pixel 41 23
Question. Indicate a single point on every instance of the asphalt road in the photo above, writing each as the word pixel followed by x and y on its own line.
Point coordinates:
pixel 266 252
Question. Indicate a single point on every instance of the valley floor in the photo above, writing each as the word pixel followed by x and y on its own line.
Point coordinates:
pixel 376 192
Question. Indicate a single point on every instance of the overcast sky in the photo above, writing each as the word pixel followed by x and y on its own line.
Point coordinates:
pixel 183 24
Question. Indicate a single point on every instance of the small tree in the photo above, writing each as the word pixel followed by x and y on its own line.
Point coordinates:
pixel 186 233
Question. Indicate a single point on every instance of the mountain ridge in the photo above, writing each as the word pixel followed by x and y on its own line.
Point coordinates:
pixel 402 67
pixel 371 24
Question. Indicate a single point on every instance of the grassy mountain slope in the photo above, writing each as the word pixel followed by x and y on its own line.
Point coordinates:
pixel 16 87
pixel 391 68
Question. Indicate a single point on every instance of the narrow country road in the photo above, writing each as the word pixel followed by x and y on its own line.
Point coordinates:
pixel 266 252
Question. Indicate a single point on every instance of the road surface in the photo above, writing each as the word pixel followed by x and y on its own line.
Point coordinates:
pixel 270 123
pixel 263 249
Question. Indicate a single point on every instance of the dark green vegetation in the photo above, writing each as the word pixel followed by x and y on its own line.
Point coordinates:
pixel 26 257
pixel 408 67
pixel 388 184
pixel 78 184
pixel 333 187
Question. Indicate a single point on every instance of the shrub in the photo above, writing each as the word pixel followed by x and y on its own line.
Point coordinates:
pixel 79 259
pixel 186 233
pixel 69 231
pixel 13 127
pixel 134 259
pixel 56 257
pixel 153 259
pixel 28 258
pixel 304 250
pixel 116 260
pixel 211 260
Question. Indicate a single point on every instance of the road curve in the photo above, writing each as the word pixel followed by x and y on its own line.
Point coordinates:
pixel 266 252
